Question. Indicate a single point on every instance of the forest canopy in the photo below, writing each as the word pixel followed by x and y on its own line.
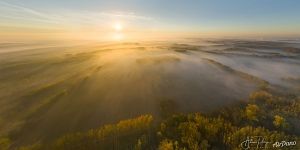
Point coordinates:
pixel 271 117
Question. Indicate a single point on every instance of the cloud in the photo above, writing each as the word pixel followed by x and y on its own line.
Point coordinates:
pixel 126 15
pixel 13 13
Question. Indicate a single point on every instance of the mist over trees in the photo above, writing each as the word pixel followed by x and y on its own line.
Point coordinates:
pixel 274 117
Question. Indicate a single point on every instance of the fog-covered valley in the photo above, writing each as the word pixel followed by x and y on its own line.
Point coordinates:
pixel 49 89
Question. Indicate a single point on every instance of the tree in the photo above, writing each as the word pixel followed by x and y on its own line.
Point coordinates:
pixel 127 134
pixel 279 122
pixel 261 97
pixel 4 143
pixel 190 135
pixel 252 112
pixel 235 139
pixel 168 145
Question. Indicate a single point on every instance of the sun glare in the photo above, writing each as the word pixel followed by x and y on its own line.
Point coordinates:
pixel 118 35
pixel 118 26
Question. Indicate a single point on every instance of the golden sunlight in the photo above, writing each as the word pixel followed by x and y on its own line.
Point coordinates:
pixel 118 36
pixel 118 26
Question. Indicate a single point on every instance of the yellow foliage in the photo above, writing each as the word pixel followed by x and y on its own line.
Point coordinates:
pixel 279 121
pixel 108 135
pixel 168 145
pixel 236 138
pixel 4 143
pixel 252 112
pixel 261 96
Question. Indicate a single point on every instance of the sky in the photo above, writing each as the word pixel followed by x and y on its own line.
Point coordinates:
pixel 96 19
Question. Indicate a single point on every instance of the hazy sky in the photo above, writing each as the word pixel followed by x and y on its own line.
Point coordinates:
pixel 40 18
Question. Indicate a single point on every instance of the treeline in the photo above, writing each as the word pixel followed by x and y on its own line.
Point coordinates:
pixel 265 117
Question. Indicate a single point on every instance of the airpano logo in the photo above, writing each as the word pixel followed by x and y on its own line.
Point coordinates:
pixel 260 142
pixel 284 144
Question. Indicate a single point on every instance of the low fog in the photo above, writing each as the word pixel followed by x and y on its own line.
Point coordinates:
pixel 56 89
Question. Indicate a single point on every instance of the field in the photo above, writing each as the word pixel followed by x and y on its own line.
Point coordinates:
pixel 50 89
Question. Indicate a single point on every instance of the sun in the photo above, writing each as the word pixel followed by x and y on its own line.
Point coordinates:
pixel 118 34
pixel 118 26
